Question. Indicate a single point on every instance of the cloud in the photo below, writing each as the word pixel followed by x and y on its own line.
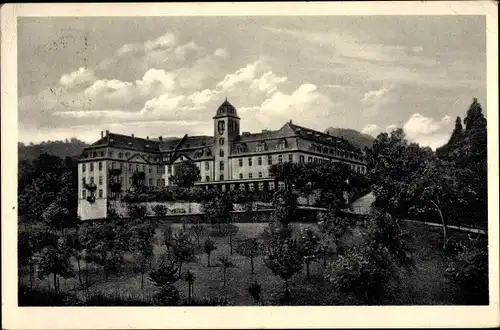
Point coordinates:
pixel 374 100
pixel 183 50
pixel 165 41
pixel 428 131
pixel 391 128
pixel 267 83
pixel 244 75
pixel 281 107
pixel 77 78
pixel 370 129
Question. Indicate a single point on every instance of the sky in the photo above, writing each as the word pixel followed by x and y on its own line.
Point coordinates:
pixel 166 76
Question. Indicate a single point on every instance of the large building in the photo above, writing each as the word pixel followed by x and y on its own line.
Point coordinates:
pixel 228 159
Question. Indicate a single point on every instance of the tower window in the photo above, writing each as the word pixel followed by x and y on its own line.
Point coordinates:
pixel 221 141
pixel 221 153
pixel 221 165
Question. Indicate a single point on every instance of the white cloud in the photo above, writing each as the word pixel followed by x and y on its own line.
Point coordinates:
pixel 165 41
pixel 267 83
pixel 246 74
pixel 221 52
pixel 77 78
pixel 370 129
pixel 391 128
pixel 374 100
pixel 183 50
pixel 428 131
pixel 305 104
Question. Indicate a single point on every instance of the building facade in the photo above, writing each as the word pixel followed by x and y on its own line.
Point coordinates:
pixel 227 160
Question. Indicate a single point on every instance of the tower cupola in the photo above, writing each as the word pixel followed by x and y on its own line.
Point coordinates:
pixel 226 109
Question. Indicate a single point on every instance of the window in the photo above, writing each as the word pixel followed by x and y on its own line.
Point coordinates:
pixel 162 169
pixel 110 154
pixel 169 169
pixel 249 161
pixel 221 141
pixel 221 165
pixel 207 166
pixel 158 170
pixel 83 167
pixel 241 175
pixel 271 185
pixel 261 146
pixel 144 168
pixel 100 166
pixel 101 154
pixel 150 182
pixel 150 169
pixel 207 178
pixel 315 159
pixel 163 182
pixel 261 186
pixel 121 166
pixel 280 159
pixel 281 145
pixel 240 162
pixel 221 177
pixel 127 154
pixel 92 180
pixel 100 193
pixel 130 181
pixel 83 180
pixel 158 182
pixel 260 174
pixel 251 187
pixel 137 168
pixel 290 158
pixel 130 167
pixel 95 154
pixel 250 175
pixel 309 159
pixel 259 160
pixel 221 153
pixel 84 193
pixel 301 159
pixel 269 159
pixel 120 155
pixel 91 167
pixel 100 179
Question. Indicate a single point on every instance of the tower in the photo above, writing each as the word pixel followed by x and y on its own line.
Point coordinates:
pixel 226 130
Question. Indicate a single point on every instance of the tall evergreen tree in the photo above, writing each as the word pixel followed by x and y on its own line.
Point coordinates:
pixel 451 150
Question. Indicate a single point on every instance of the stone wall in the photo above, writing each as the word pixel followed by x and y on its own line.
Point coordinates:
pixel 95 210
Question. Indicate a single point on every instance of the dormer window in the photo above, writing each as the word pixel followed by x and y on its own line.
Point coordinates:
pixel 281 144
pixel 147 145
pixel 261 146
pixel 242 147
pixel 130 143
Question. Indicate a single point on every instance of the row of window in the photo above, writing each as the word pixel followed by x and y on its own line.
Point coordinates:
pixel 269 160
pixel 159 169
pixel 121 155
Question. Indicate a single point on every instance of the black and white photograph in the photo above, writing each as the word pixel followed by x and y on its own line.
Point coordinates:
pixel 252 160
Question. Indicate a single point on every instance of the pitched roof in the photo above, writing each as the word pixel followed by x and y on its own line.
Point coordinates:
pixel 226 109
pixel 317 136
pixel 126 141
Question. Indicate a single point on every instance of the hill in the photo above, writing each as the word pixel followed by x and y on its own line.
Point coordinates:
pixel 62 149
pixel 356 138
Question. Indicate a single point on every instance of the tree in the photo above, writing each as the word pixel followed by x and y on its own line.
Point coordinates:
pixel 168 237
pixel 365 268
pixel 141 246
pixel 183 249
pixel 282 256
pixel 439 188
pixel 285 204
pixel 254 290
pixel 333 227
pixel 197 231
pixel 186 174
pixel 27 248
pixel 163 276
pixel 230 230
pixel 225 262
pixel 451 150
pixel 250 248
pixel 218 209
pixel 209 246
pixel 308 242
pixel 189 278
pixel 55 260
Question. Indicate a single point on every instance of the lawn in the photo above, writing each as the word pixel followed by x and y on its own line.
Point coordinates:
pixel 426 286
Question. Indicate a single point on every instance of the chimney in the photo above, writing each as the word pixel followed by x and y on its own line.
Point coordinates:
pixel 107 132
pixel 132 135
pixel 147 137
pixel 160 138
pixel 102 134
pixel 291 121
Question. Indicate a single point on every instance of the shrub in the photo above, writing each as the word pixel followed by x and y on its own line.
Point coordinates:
pixel 160 210
pixel 136 211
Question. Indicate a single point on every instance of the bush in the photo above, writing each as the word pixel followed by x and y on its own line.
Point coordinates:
pixel 38 297
pixel 468 272
pixel 160 210
pixel 136 211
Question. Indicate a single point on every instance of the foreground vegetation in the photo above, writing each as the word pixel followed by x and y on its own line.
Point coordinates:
pixel 214 261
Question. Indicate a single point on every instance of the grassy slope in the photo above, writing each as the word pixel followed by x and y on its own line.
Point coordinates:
pixel 425 286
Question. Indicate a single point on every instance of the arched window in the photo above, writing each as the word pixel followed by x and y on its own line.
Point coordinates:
pixel 221 165
pixel 221 153
pixel 241 175
pixel 221 141
pixel 221 177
